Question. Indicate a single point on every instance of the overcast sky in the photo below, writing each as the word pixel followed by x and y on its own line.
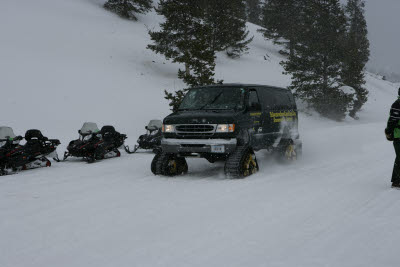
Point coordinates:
pixel 383 18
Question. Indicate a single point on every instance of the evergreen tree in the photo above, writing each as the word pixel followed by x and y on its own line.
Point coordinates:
pixel 356 52
pixel 201 60
pixel 175 99
pixel 227 20
pixel 282 21
pixel 185 38
pixel 317 58
pixel 253 10
pixel 128 8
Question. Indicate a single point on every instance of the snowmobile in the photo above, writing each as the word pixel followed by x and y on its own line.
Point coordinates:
pixel 15 157
pixel 9 142
pixel 150 140
pixel 112 140
pixel 94 144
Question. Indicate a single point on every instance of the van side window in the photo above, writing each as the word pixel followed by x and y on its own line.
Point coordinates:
pixel 282 99
pixel 274 98
pixel 267 98
pixel 254 103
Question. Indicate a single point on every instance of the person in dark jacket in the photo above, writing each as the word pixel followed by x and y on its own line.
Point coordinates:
pixel 392 132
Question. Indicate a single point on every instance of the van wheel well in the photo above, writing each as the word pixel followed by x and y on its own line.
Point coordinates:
pixel 243 138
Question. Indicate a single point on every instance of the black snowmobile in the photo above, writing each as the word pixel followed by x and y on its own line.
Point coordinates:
pixel 9 144
pixel 112 140
pixel 94 144
pixel 15 157
pixel 151 140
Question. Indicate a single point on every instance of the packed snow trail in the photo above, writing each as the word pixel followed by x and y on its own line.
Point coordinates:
pixel 333 208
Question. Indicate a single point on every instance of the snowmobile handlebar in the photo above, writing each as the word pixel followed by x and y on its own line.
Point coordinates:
pixel 17 138
pixel 54 142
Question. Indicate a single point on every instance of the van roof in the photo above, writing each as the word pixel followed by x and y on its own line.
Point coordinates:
pixel 240 85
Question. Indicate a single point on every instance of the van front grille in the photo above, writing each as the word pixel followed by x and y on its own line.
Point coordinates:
pixel 195 130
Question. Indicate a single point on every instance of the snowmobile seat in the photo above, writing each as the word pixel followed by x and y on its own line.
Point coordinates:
pixel 154 125
pixel 108 129
pixel 34 135
pixel 109 133
pixel 35 140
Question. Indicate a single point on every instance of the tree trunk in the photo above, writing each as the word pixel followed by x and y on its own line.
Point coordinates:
pixel 325 76
pixel 125 12
pixel 187 69
pixel 291 48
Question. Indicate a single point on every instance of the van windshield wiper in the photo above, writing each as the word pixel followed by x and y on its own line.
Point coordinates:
pixel 219 109
pixel 213 101
pixel 186 109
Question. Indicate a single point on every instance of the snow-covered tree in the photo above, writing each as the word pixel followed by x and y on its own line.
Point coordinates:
pixel 185 38
pixel 356 52
pixel 253 10
pixel 317 58
pixel 227 21
pixel 282 21
pixel 128 8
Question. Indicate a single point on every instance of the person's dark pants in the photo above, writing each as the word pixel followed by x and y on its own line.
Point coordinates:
pixel 396 168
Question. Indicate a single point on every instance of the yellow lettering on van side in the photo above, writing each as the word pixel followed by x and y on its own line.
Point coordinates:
pixel 283 116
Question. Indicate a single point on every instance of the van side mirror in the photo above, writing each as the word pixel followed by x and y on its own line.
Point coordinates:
pixel 146 127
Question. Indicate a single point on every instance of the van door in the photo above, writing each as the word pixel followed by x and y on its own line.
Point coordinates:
pixel 255 113
pixel 277 111
pixel 283 115
pixel 293 119
pixel 269 128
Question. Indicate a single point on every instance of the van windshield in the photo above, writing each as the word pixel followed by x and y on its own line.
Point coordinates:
pixel 214 98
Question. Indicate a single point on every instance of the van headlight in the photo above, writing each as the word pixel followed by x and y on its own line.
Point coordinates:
pixel 225 128
pixel 167 128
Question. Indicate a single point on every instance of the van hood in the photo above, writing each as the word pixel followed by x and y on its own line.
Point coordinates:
pixel 201 117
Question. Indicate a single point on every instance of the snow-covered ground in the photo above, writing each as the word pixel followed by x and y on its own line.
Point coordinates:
pixel 63 62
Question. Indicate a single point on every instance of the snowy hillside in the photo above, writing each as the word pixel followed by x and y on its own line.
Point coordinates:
pixel 63 62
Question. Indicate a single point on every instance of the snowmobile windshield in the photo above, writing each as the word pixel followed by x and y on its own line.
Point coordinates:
pixel 89 128
pixel 214 98
pixel 6 133
pixel 154 125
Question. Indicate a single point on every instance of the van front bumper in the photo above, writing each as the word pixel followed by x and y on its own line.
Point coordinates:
pixel 216 146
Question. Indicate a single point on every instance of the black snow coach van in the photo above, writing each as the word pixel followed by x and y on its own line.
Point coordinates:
pixel 229 123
